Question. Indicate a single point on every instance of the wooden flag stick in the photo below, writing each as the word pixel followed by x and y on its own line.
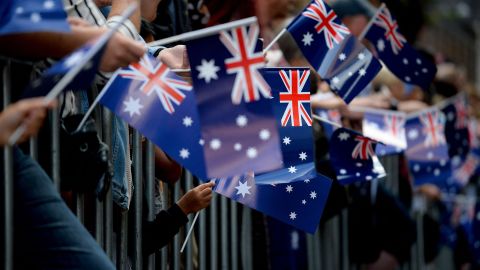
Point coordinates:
pixel 275 39
pixel 203 32
pixel 326 121
pixel 189 232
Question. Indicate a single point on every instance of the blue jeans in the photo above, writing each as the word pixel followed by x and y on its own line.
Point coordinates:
pixel 46 233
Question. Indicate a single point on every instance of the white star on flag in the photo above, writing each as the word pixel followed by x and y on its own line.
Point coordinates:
pixel 335 80
pixel 215 144
pixel 35 17
pixel 293 215
pixel 207 70
pixel 342 57
pixel 416 168
pixel 187 121
pixel 132 106
pixel 237 147
pixel 264 134
pixel 343 136
pixel 292 169
pixel 412 134
pixel 243 188
pixel 362 72
pixel 302 156
pixel 361 56
pixel 304 201
pixel 19 10
pixel 286 140
pixel 307 39
pixel 252 152
pixel 184 153
pixel 306 181
pixel 313 195
pixel 49 4
pixel 289 188
pixel 241 120
pixel 381 45
pixel 405 61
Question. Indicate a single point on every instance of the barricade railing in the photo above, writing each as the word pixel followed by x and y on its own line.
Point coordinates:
pixel 222 237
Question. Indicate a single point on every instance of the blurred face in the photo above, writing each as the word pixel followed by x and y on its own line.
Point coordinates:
pixel 279 8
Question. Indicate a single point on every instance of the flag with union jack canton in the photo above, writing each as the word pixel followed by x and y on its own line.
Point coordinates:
pixel 457 136
pixel 353 158
pixel 238 124
pixel 299 204
pixel 27 16
pixel 161 106
pixel 392 48
pixel 291 104
pixel 338 57
pixel 427 150
pixel 387 127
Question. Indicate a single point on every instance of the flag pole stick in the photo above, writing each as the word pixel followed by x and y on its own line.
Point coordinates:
pixel 326 121
pixel 203 32
pixel 372 20
pixel 58 88
pixel 189 232
pixel 275 39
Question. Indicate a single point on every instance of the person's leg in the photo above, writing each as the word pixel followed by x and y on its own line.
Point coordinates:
pixel 46 233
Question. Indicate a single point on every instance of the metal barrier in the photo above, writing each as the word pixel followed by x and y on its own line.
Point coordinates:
pixel 222 238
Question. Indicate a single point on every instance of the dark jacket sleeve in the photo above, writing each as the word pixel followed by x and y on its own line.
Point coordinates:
pixel 157 233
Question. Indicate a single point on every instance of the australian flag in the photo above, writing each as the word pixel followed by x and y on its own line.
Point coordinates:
pixel 26 16
pixel 392 48
pixel 353 158
pixel 457 136
pixel 159 104
pixel 81 81
pixel 299 204
pixel 291 104
pixel 427 151
pixel 338 57
pixel 238 124
pixel 387 127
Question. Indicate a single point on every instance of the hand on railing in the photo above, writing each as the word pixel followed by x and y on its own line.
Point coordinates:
pixel 27 112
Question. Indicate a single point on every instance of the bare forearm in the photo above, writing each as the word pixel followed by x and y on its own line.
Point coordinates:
pixel 118 6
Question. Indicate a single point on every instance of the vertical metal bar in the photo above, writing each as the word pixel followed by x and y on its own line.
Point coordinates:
pixel 344 237
pixel 164 252
pixel 137 201
pixel 33 148
pixel 189 247
pixel 203 241
pixel 80 206
pixel 246 251
pixel 213 234
pixel 122 243
pixel 8 182
pixel 224 232
pixel 55 143
pixel 234 235
pixel 311 253
pixel 108 205
pixel 149 191
pixel 176 240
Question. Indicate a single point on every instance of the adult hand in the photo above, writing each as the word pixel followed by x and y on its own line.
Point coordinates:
pixel 196 199
pixel 29 112
pixel 121 52
pixel 175 57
